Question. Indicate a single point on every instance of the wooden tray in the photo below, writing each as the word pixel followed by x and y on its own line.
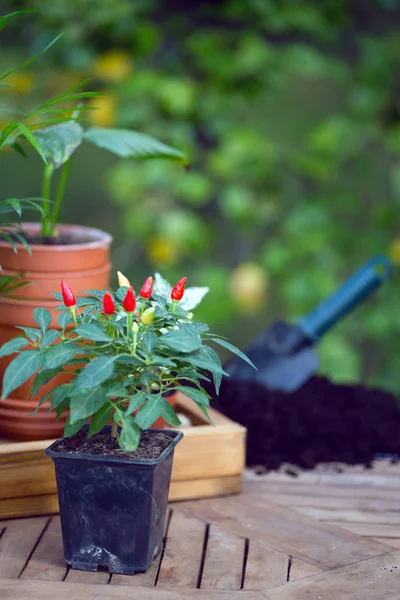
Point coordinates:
pixel 209 461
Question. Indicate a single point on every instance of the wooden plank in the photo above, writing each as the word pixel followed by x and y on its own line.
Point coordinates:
pixel 369 529
pixel 13 474
pixel 373 579
pixel 218 451
pixel 393 542
pixel 179 490
pixel 334 502
pixel 224 558
pixel 288 488
pixel 147 579
pixel 95 577
pixel 17 543
pixel 317 543
pixel 23 589
pixel 265 567
pixel 352 516
pixel 181 563
pixel 367 478
pixel 205 488
pixel 28 506
pixel 47 561
pixel 300 569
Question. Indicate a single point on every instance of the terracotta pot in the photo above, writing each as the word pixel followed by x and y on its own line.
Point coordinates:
pixel 84 265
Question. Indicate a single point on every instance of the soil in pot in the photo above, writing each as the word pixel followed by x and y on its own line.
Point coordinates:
pixel 322 422
pixel 82 259
pixel 102 444
pixel 112 506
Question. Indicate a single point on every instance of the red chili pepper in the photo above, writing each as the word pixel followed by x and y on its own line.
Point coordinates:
pixel 108 304
pixel 67 294
pixel 147 288
pixel 178 289
pixel 130 300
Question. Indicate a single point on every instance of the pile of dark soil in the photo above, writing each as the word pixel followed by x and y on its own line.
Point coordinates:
pixel 320 423
pixel 102 444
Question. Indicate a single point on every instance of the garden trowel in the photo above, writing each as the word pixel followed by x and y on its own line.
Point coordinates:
pixel 284 354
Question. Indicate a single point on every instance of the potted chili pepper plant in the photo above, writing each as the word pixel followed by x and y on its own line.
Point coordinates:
pixel 47 250
pixel 125 355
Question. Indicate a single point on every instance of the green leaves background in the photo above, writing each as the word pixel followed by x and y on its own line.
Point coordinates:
pixel 290 116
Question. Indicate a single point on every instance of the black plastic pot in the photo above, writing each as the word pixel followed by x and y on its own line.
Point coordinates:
pixel 113 509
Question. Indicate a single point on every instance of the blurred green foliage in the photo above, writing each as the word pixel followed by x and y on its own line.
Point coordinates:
pixel 290 112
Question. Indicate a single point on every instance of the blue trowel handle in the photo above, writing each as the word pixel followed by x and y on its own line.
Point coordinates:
pixel 356 289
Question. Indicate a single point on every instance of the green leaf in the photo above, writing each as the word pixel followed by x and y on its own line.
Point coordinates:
pixel 59 394
pixel 210 357
pixel 49 337
pixel 95 373
pixel 92 331
pixel 41 379
pixel 126 359
pixel 72 428
pixel 60 355
pixel 16 205
pixel 63 319
pixel 31 333
pixel 60 141
pixel 149 412
pixel 198 327
pixel 43 318
pixel 192 297
pixel 200 397
pixel 86 404
pixel 20 370
pixel 63 406
pixel 130 434
pixel 234 350
pixel 31 59
pixel 161 361
pixel 100 419
pixel 161 287
pixel 5 18
pixel 169 414
pixel 32 140
pixel 116 390
pixel 205 413
pixel 18 148
pixel 181 341
pixel 149 342
pixel 136 402
pixel 40 404
pixel 131 144
pixel 12 346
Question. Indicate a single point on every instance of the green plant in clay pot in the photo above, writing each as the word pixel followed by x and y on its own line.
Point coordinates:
pixel 124 355
pixel 47 250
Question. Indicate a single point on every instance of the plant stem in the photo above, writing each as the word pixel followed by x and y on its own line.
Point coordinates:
pixel 46 195
pixel 59 197
pixel 72 310
pixel 114 429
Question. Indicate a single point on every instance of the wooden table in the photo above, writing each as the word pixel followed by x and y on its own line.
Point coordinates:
pixel 319 536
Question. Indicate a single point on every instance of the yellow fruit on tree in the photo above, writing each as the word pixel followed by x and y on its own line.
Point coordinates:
pixel 394 252
pixel 248 287
pixel 105 112
pixel 113 65
pixel 162 251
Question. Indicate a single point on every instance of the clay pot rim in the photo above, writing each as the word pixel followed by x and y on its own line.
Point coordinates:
pixel 45 275
pixel 30 303
pixel 98 238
